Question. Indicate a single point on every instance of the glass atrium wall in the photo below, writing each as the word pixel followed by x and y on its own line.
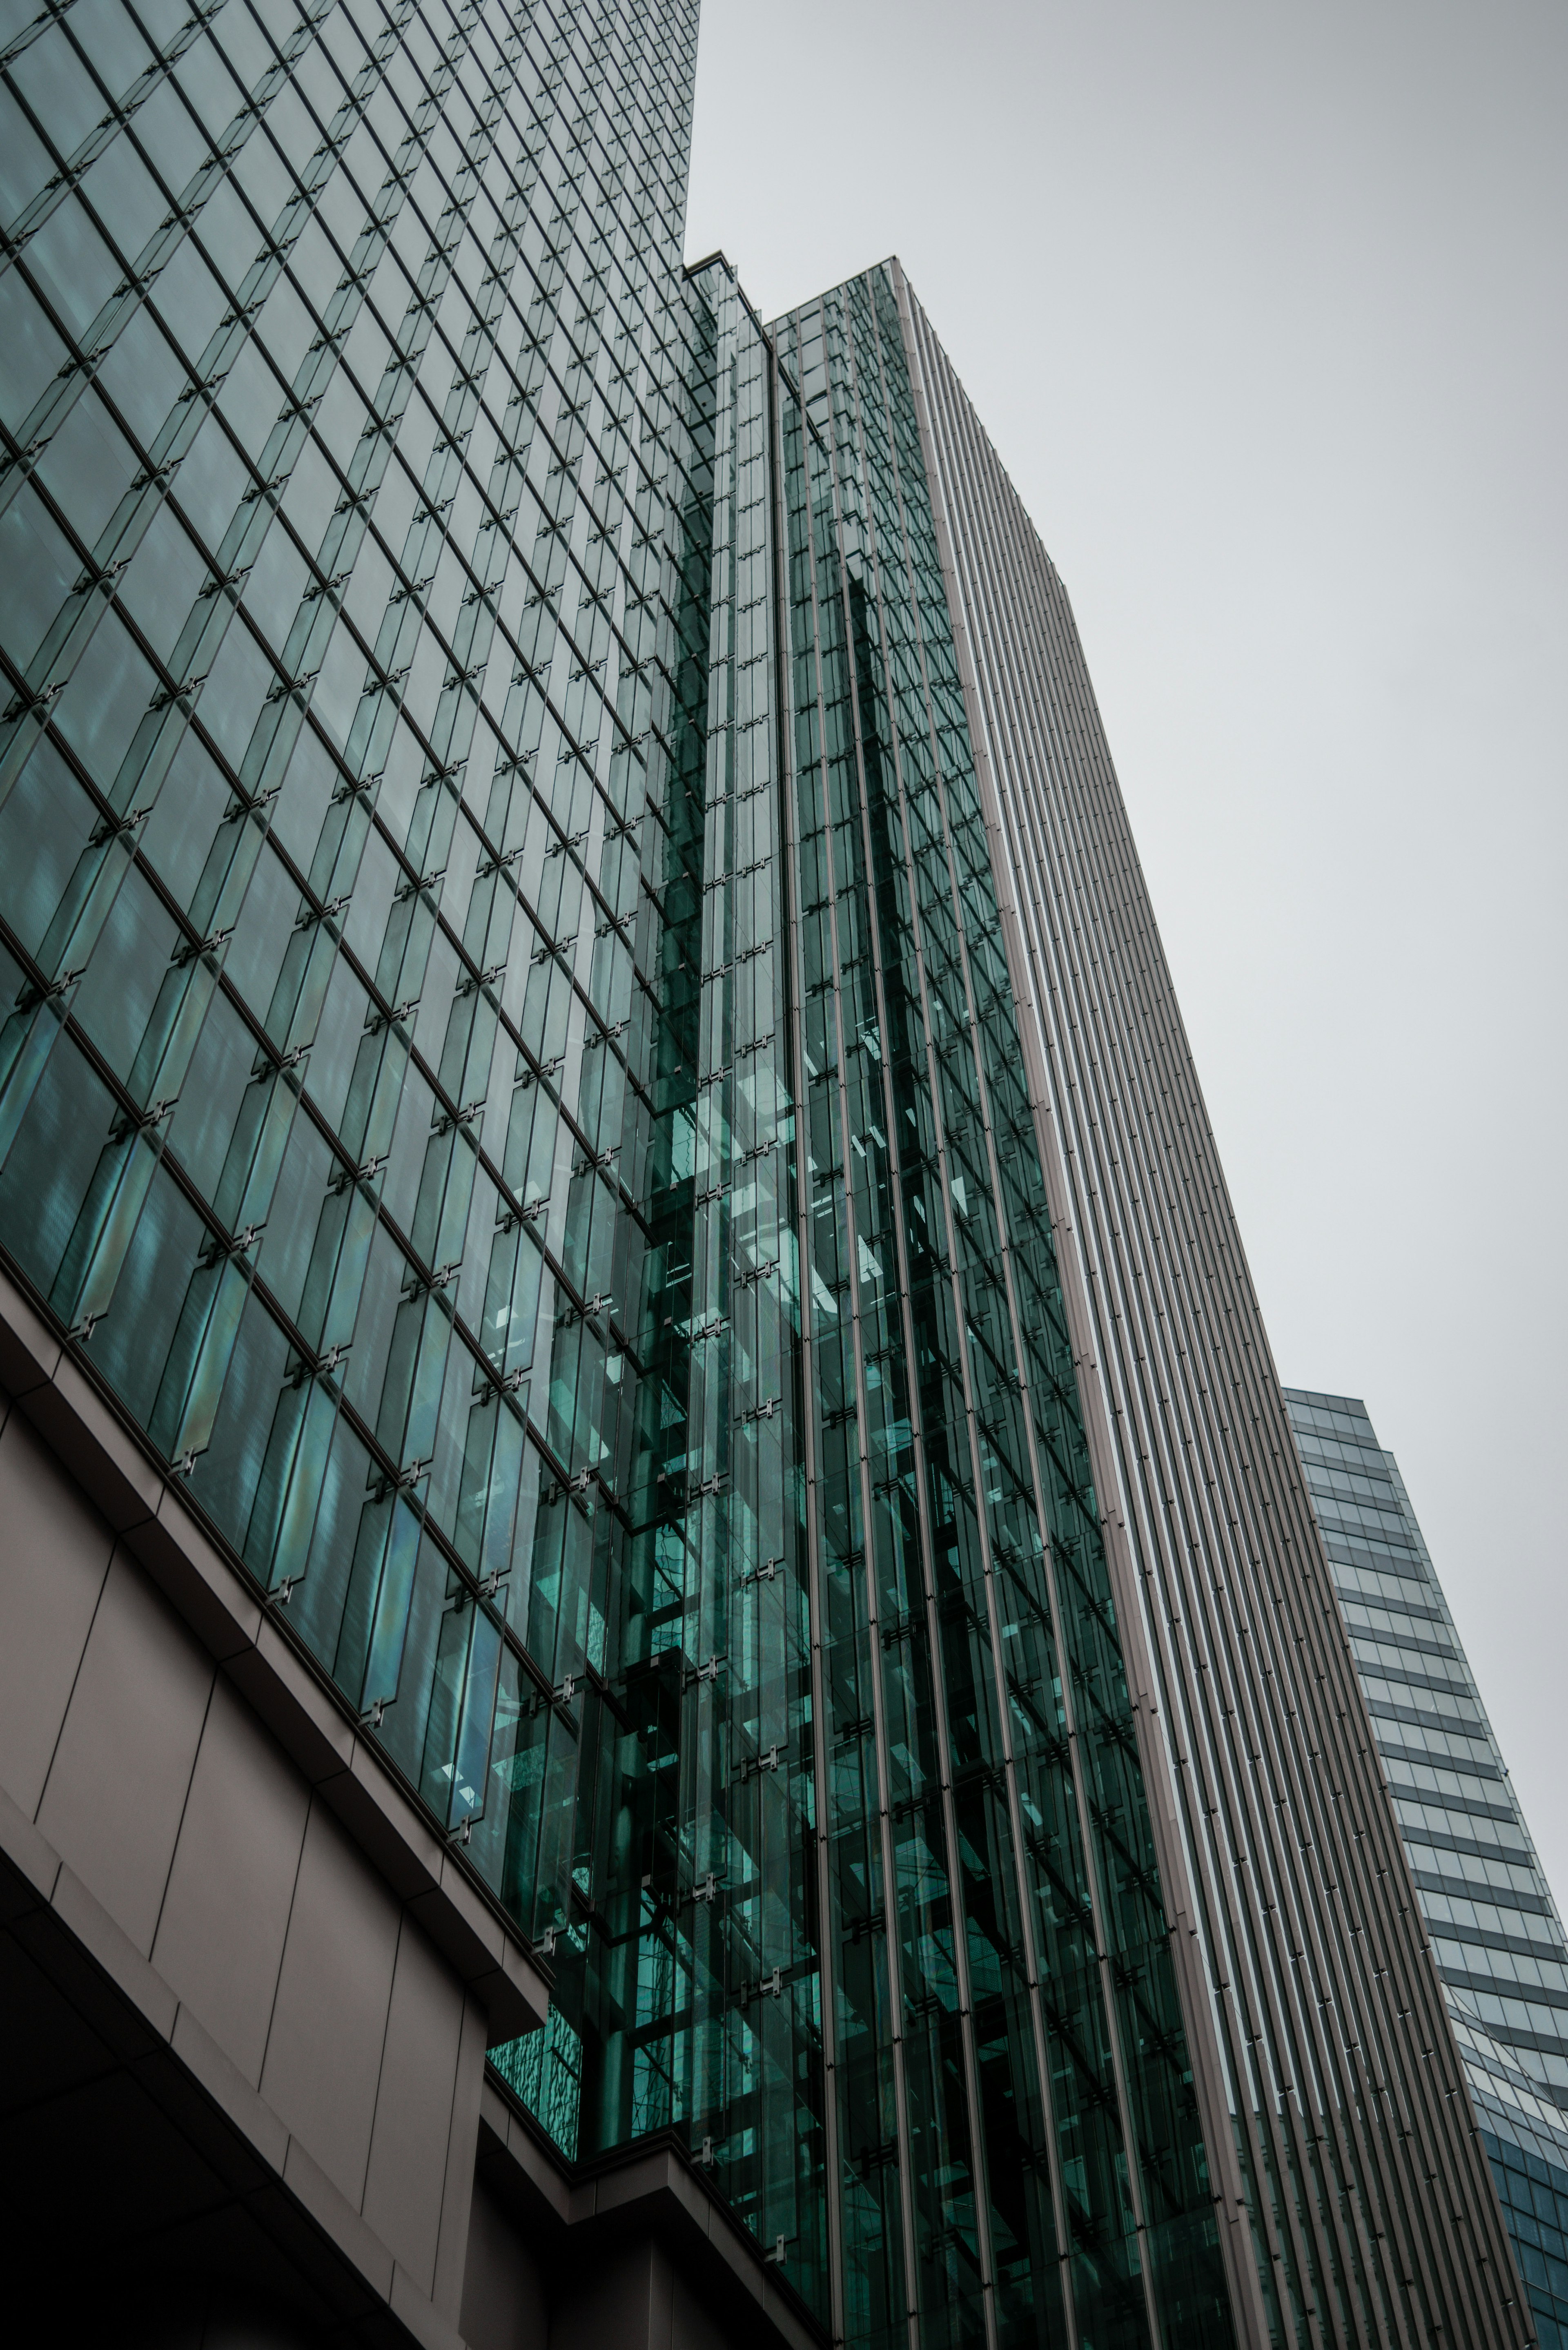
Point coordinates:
pixel 697 1987
pixel 345 378
pixel 394 1102
pixel 1017 2140
pixel 509 1081
pixel 1495 1932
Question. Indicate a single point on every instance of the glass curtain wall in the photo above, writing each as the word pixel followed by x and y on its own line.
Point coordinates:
pixel 508 1081
pixel 692 1975
pixel 1495 1932
pixel 347 806
pixel 1017 2145
pixel 394 1102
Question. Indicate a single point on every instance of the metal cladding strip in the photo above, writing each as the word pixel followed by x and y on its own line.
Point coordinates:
pixel 819 1867
pixel 895 1992
pixel 1274 1809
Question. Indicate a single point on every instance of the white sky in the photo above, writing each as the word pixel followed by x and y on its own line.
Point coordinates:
pixel 1264 308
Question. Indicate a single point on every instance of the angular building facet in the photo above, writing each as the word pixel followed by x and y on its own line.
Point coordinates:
pixel 665 1668
pixel 1495 1935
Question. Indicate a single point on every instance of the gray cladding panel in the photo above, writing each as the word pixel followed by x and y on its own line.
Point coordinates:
pixel 324 2051
pixel 690 2326
pixel 1320 2019
pixel 414 2108
pixel 620 2303
pixel 54 1555
pixel 225 1916
pixel 462 2147
pixel 116 1790
pixel 503 2303
pixel 634 2296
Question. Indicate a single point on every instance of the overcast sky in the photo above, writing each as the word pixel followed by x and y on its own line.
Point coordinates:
pixel 1265 309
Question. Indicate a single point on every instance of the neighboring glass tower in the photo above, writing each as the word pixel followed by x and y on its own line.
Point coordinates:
pixel 587 1073
pixel 1015 2116
pixel 1496 1933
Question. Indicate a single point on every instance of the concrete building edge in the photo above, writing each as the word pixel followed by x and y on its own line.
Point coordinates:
pixel 311 1721
pixel 34 1880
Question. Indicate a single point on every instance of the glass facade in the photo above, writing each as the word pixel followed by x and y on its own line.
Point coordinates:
pixel 362 1117
pixel 1495 1932
pixel 405 724
pixel 410 754
pixel 513 1085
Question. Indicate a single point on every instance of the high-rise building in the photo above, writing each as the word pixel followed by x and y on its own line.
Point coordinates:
pixel 665 1671
pixel 1495 1935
